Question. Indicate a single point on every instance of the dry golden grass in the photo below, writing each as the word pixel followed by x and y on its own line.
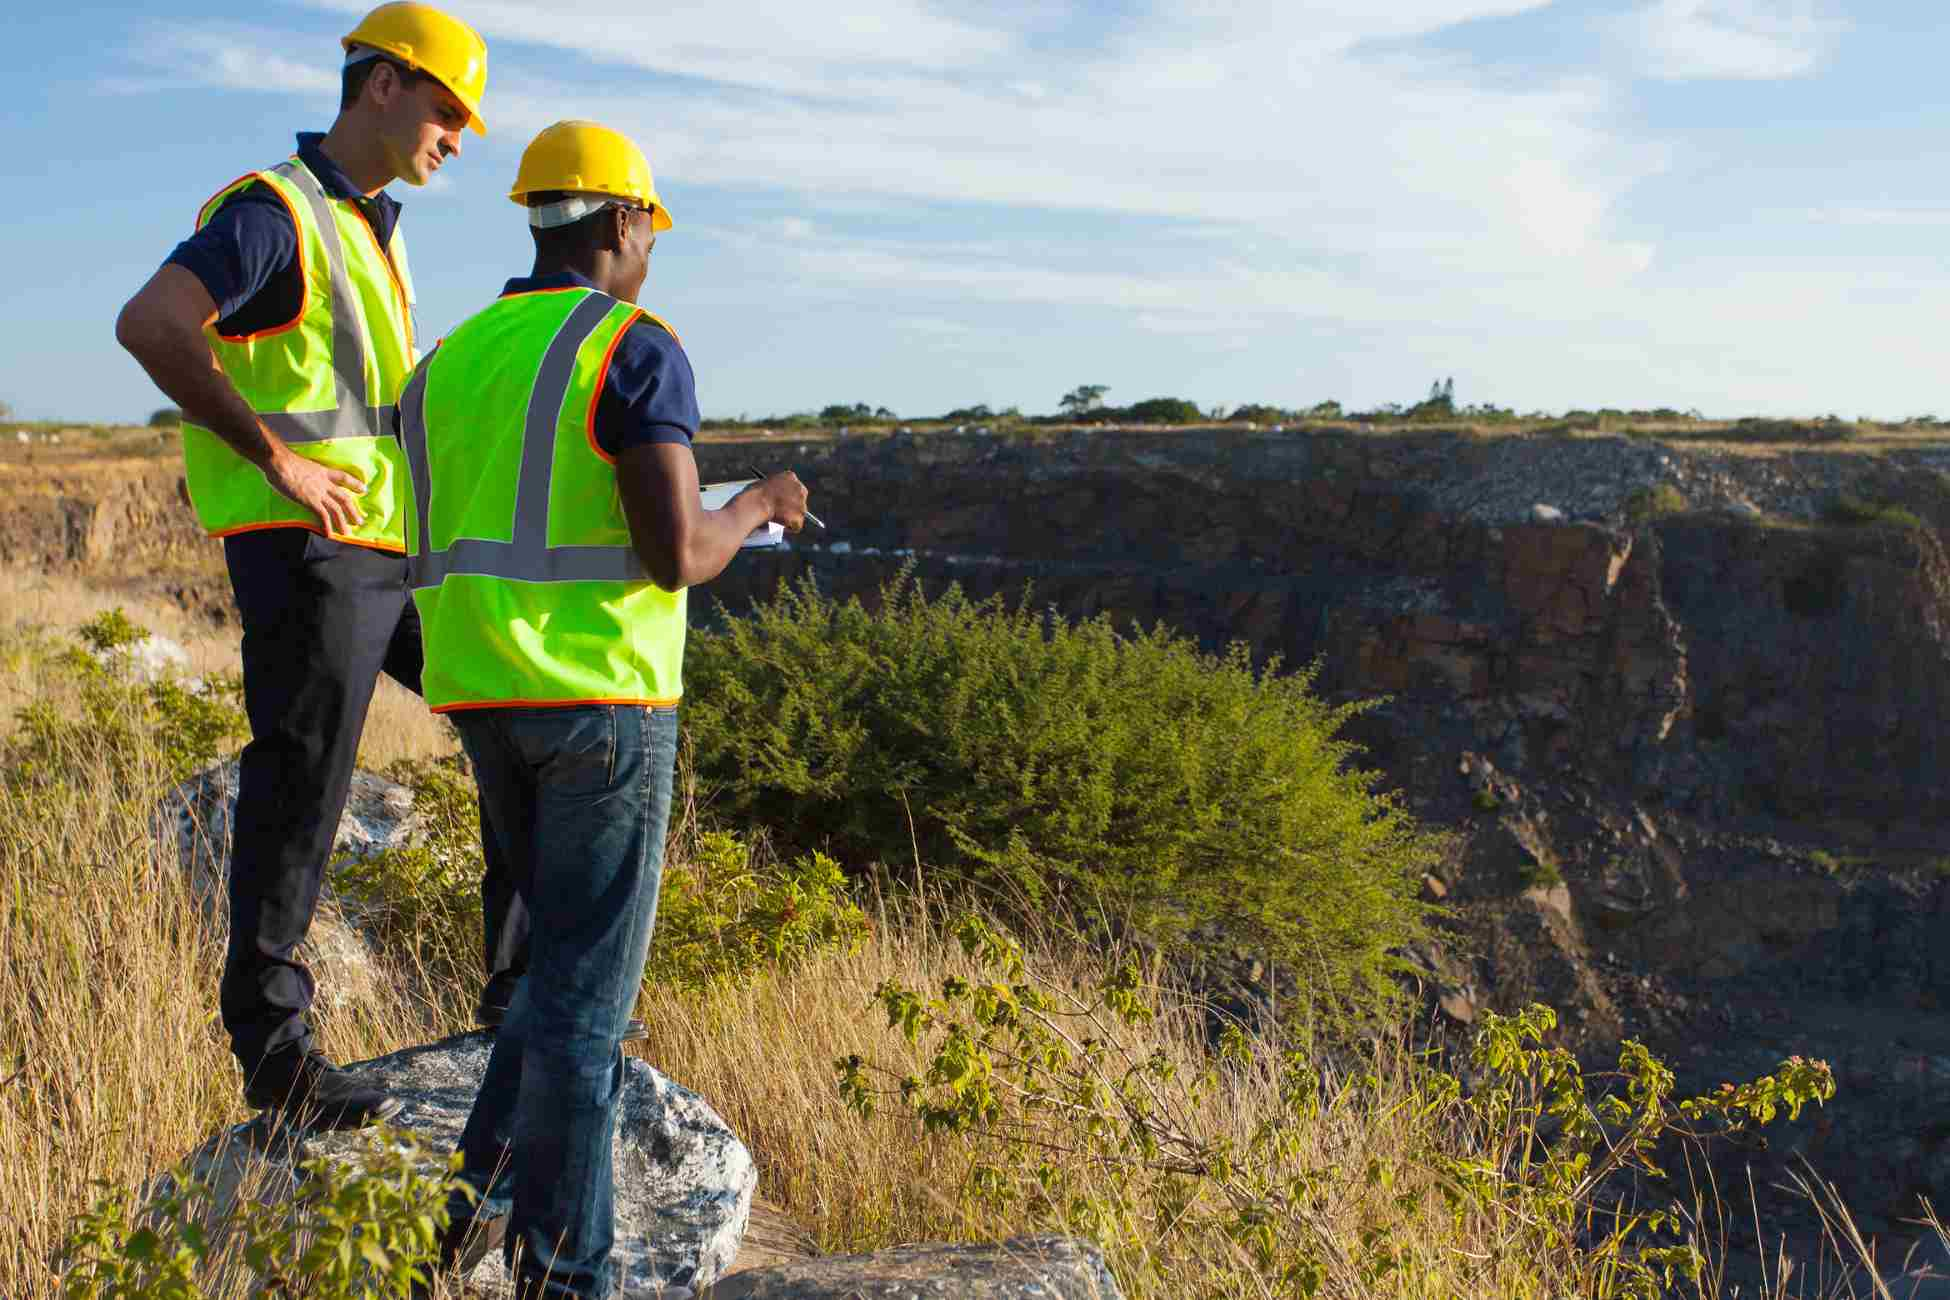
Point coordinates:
pixel 114 1062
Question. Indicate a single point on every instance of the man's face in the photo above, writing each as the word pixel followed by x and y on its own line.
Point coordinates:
pixel 420 125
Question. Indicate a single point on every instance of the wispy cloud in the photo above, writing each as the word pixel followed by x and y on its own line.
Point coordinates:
pixel 1755 40
pixel 1265 116
pixel 225 57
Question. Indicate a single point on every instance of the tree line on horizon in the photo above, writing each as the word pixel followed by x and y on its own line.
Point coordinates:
pixel 1085 404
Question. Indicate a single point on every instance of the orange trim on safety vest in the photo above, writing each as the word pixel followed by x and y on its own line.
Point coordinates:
pixel 304 281
pixel 365 542
pixel 670 703
pixel 602 376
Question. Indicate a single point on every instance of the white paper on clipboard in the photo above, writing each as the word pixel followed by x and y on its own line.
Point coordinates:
pixel 717 494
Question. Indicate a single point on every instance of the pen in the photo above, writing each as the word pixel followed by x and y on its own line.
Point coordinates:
pixel 811 518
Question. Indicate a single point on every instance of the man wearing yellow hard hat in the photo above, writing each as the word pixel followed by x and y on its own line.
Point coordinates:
pixel 553 524
pixel 283 327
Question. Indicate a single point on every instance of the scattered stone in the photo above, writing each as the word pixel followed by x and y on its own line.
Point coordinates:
pixel 684 1181
pixel 1544 514
pixel 1023 1268
pixel 196 821
pixel 198 817
pixel 151 659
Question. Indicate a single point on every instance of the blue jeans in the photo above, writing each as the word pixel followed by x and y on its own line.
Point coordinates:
pixel 579 799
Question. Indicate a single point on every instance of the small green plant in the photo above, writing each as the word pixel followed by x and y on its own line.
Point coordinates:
pixel 360 1230
pixel 1086 1132
pixel 1542 873
pixel 1851 509
pixel 119 716
pixel 1654 502
pixel 723 919
pixel 1485 801
pixel 425 899
pixel 115 1253
pixel 721 916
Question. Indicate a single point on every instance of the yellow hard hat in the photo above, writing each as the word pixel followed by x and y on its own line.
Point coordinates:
pixel 429 41
pixel 588 158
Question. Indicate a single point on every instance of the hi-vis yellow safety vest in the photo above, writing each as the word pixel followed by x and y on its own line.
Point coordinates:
pixel 520 560
pixel 326 381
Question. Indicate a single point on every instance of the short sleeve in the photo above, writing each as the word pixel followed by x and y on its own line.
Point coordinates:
pixel 246 257
pixel 649 395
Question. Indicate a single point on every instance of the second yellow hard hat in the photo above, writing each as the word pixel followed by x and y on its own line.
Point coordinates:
pixel 588 158
pixel 436 43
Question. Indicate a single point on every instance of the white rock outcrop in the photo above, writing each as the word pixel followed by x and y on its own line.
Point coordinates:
pixel 684 1181
pixel 195 822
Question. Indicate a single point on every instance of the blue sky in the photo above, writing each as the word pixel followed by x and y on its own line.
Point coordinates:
pixel 1734 205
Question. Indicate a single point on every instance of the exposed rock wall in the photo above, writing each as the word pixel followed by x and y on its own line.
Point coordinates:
pixel 1723 663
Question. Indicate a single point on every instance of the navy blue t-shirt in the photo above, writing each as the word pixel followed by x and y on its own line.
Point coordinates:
pixel 649 395
pixel 246 255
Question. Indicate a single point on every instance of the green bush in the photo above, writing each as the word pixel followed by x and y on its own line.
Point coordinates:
pixel 424 900
pixel 119 716
pixel 722 918
pixel 1062 764
pixel 724 914
pixel 1654 502
pixel 1850 509
pixel 357 1231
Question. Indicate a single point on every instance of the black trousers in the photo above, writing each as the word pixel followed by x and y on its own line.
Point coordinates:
pixel 321 621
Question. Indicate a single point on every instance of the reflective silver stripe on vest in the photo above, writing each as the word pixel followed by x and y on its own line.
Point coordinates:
pixel 352 417
pixel 529 557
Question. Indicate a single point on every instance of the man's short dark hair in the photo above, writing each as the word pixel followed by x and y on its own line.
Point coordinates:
pixel 352 82
pixel 561 243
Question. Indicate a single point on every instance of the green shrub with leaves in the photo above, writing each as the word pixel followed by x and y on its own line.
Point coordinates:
pixel 1851 509
pixel 723 918
pixel 424 900
pixel 1065 764
pixel 1645 504
pixel 724 913
pixel 361 1230
pixel 1076 1123
pixel 119 716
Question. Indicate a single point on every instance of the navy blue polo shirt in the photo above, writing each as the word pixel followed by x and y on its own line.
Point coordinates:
pixel 246 255
pixel 649 395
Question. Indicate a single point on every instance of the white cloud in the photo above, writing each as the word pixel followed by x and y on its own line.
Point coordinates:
pixel 1287 170
pixel 1754 40
pixel 225 57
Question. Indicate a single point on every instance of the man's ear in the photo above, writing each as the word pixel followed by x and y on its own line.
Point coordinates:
pixel 619 230
pixel 383 83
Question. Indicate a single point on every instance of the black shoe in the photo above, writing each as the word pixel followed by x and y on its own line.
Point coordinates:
pixel 313 1092
pixel 493 1009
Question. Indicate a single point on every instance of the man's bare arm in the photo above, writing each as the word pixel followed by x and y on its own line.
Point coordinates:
pixel 162 327
pixel 680 542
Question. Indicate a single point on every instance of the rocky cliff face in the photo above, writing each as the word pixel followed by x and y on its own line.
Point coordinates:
pixel 1692 740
